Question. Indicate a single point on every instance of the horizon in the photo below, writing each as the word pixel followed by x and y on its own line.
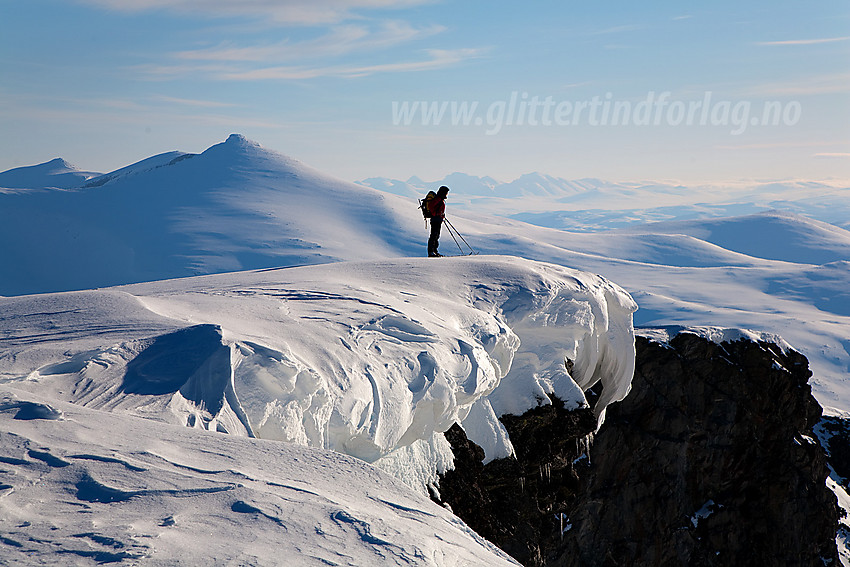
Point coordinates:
pixel 416 178
pixel 403 88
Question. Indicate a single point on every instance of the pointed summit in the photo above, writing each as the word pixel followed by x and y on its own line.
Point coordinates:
pixel 59 165
pixel 241 141
pixel 237 146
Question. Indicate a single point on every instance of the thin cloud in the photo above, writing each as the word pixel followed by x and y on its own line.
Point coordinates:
pixel 823 84
pixel 340 40
pixel 840 155
pixel 194 102
pixel 292 12
pixel 771 146
pixel 438 59
pixel 618 29
pixel 805 41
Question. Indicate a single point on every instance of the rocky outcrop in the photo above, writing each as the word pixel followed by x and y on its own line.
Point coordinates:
pixel 517 503
pixel 710 460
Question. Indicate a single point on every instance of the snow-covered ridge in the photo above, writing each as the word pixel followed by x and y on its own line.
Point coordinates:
pixel 374 360
pixel 716 335
pixel 151 163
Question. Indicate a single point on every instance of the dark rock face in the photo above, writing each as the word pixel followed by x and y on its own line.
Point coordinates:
pixel 834 435
pixel 834 432
pixel 517 503
pixel 710 460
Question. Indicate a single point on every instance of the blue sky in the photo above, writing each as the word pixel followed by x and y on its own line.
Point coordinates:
pixel 703 91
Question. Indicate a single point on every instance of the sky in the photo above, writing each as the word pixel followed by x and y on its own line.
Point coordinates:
pixel 695 92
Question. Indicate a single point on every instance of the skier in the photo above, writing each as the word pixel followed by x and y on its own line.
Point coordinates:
pixel 437 208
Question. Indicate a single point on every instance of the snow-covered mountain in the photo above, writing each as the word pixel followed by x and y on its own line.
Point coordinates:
pixel 54 174
pixel 234 206
pixel 369 359
pixel 772 235
pixel 528 185
pixel 591 205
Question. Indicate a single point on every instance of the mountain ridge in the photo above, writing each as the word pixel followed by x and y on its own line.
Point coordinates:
pixel 241 206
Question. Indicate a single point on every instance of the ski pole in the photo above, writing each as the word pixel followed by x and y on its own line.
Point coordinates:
pixel 453 236
pixel 461 236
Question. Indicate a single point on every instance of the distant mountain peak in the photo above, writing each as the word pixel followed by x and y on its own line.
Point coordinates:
pixel 239 147
pixel 56 173
pixel 241 141
pixel 59 163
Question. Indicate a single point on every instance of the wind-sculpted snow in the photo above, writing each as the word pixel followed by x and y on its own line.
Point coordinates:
pixel 85 487
pixel 374 360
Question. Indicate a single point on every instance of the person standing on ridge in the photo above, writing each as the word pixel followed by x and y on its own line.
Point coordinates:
pixel 437 208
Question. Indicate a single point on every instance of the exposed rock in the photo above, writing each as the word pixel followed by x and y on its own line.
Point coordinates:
pixel 517 503
pixel 710 460
pixel 834 433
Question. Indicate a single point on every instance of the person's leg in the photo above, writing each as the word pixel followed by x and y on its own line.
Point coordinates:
pixel 434 240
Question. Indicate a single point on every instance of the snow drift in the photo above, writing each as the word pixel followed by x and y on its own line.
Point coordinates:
pixel 374 360
pixel 86 487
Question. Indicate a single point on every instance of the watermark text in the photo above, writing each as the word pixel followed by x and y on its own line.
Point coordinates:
pixel 656 109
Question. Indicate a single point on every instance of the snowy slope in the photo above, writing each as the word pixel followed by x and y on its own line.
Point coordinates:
pixel 681 280
pixel 773 235
pixel 87 487
pixel 374 360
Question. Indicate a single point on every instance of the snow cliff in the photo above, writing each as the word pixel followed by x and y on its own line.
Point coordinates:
pixel 375 360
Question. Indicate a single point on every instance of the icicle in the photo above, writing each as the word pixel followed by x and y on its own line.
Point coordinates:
pixel 566 525
pixel 583 445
